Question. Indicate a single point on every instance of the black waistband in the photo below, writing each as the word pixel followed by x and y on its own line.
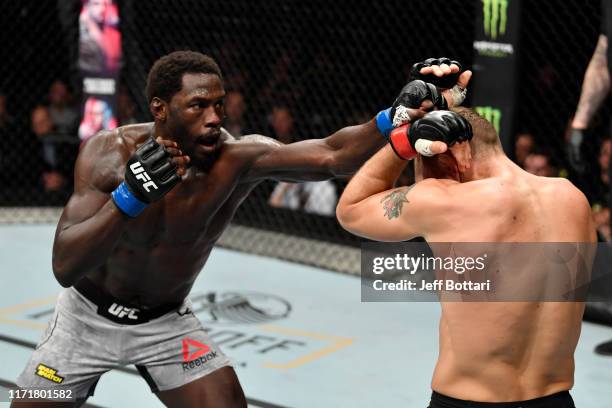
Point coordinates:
pixel 118 311
pixel 561 399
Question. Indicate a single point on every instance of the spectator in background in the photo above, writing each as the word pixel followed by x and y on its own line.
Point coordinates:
pixel 604 161
pixel 64 116
pixel 538 162
pixel 601 218
pixel 523 146
pixel 600 203
pixel 126 110
pixel 595 89
pixel 235 109
pixel 43 128
pixel 6 120
pixel 281 122
pixel 315 197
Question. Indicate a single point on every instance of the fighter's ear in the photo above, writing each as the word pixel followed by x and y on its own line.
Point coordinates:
pixel 159 109
pixel 440 166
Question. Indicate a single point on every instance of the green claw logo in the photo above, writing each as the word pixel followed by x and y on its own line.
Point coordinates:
pixel 491 114
pixel 495 17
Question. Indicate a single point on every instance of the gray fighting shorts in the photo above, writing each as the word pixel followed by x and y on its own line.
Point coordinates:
pixel 91 333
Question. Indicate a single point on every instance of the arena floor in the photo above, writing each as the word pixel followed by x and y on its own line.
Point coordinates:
pixel 307 341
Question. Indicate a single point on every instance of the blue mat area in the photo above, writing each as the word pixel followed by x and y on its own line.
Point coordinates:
pixel 308 341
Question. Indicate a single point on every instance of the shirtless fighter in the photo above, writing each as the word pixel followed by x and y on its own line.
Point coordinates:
pixel 493 354
pixel 150 202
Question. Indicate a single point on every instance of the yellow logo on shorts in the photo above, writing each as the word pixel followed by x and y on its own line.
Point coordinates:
pixel 48 373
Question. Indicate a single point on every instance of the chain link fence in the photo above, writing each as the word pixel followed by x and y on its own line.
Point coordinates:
pixel 38 117
pixel 297 70
pixel 293 69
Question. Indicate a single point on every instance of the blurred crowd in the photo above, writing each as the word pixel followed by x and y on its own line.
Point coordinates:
pixel 41 158
pixel 38 153
pixel 593 180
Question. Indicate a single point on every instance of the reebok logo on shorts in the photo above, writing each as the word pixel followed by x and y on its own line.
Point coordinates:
pixel 48 373
pixel 200 354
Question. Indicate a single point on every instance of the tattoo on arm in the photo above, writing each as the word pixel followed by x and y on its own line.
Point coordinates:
pixel 392 203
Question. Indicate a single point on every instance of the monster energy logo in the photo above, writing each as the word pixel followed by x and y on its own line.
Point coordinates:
pixel 495 17
pixel 491 114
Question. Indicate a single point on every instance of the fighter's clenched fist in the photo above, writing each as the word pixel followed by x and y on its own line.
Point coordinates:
pixel 152 171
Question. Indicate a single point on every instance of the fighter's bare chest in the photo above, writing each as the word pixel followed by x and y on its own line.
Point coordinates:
pixel 194 212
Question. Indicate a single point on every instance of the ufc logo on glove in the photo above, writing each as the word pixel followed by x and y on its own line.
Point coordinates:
pixel 141 174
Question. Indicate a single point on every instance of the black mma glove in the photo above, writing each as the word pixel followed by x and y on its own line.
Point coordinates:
pixel 149 175
pixel 573 150
pixel 444 126
pixel 445 82
pixel 410 97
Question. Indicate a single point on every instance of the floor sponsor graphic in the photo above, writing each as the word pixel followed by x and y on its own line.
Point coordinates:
pixel 239 307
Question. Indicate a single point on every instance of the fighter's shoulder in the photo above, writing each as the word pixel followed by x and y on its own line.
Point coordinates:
pixel 251 146
pixel 121 140
pixel 257 140
pixel 102 159
pixel 434 190
pixel 437 185
pixel 564 191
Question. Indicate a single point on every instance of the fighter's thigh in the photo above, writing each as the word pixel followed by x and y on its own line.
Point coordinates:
pixel 73 353
pixel 219 389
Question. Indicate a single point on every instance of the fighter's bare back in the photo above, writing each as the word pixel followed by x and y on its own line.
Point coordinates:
pixel 501 351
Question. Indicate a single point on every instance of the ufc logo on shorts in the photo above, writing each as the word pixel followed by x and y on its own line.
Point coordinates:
pixel 122 311
pixel 142 175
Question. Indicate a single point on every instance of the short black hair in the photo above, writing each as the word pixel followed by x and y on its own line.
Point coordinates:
pixel 166 75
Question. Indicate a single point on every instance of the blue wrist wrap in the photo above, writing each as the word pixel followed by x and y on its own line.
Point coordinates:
pixel 383 122
pixel 126 201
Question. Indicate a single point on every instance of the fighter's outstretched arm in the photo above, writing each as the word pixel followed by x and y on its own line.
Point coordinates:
pixel 370 207
pixel 317 159
pixel 345 151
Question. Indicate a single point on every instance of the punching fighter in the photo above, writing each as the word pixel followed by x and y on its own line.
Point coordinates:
pixel 150 202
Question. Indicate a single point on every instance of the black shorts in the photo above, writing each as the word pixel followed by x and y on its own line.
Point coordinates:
pixel 559 400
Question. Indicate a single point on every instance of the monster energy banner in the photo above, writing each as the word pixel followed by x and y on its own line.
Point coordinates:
pixel 495 43
pixel 99 63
